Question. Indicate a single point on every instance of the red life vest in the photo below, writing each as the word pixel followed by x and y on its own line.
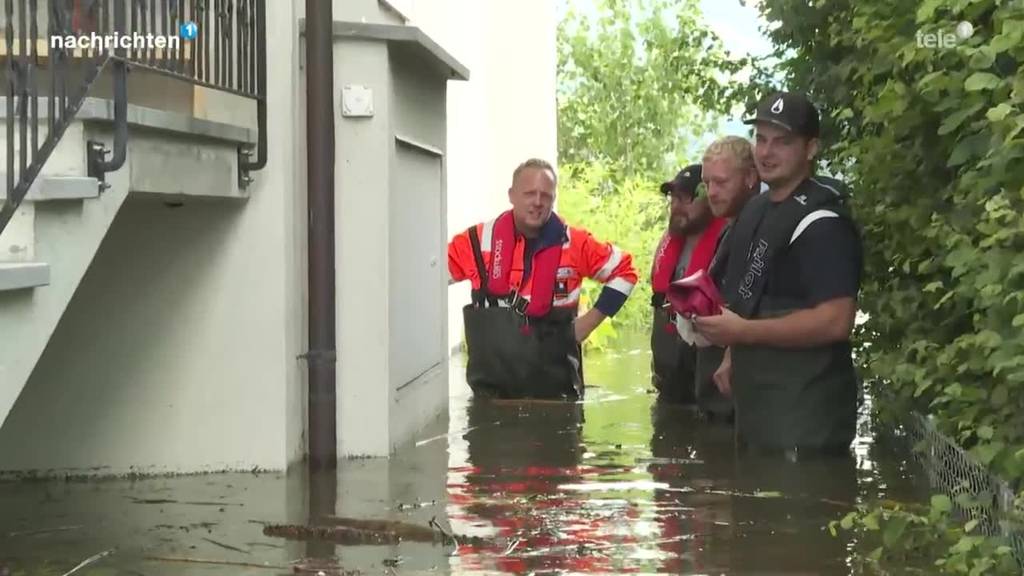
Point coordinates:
pixel 671 248
pixel 544 267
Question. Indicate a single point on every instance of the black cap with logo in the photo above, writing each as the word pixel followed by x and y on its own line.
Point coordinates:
pixel 790 110
pixel 685 182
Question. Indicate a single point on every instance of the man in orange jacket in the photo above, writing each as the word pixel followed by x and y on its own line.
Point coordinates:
pixel 527 268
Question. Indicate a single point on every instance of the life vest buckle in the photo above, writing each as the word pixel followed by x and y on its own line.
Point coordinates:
pixel 517 303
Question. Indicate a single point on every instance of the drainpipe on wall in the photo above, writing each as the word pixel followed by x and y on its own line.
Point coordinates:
pixel 321 358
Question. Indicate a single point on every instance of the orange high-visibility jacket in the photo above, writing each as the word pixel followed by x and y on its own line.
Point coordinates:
pixel 583 256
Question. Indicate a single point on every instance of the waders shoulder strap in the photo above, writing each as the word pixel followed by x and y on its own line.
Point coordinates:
pixel 480 296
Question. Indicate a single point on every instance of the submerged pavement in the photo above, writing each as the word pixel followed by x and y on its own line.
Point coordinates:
pixel 615 484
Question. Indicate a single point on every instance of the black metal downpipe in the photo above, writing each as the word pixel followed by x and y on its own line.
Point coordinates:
pixel 261 89
pixel 98 166
pixel 323 445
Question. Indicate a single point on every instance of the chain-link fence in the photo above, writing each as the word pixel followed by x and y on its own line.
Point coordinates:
pixel 976 493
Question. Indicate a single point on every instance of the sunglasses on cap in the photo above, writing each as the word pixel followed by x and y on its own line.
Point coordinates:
pixel 701 191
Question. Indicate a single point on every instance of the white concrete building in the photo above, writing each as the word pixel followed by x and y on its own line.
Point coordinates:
pixel 157 325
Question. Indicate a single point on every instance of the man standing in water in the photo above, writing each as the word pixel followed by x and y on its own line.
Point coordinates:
pixel 791 287
pixel 731 179
pixel 523 330
pixel 687 246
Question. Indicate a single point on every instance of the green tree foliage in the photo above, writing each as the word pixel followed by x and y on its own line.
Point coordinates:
pixel 930 138
pixel 919 539
pixel 632 216
pixel 639 81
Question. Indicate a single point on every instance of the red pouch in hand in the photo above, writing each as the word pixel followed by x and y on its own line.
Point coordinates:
pixel 695 295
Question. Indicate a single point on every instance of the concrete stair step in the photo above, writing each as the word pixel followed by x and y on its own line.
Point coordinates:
pixel 23 275
pixel 51 188
pixel 17 241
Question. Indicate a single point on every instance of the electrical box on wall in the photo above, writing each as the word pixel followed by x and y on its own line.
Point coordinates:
pixel 392 300
pixel 356 101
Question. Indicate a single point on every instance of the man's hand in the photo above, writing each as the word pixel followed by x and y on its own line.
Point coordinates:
pixel 723 376
pixel 687 331
pixel 587 323
pixel 828 322
pixel 724 329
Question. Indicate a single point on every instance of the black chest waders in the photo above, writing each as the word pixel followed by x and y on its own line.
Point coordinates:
pixel 512 355
pixel 673 361
pixel 785 398
pixel 803 398
pixel 711 402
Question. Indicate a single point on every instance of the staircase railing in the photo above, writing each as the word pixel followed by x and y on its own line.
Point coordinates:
pixel 219 44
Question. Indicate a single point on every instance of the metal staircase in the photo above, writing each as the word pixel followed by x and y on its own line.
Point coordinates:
pixel 218 44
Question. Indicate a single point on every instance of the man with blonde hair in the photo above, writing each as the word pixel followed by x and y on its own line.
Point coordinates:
pixel 730 175
pixel 527 267
pixel 731 178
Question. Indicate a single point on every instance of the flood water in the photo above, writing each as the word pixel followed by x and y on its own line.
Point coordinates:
pixel 615 484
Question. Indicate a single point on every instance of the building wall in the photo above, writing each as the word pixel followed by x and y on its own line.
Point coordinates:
pixel 178 350
pixel 165 359
pixel 362 208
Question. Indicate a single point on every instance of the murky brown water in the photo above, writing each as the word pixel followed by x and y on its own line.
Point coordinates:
pixel 616 484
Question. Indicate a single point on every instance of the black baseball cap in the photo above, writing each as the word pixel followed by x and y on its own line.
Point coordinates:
pixel 685 182
pixel 790 110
